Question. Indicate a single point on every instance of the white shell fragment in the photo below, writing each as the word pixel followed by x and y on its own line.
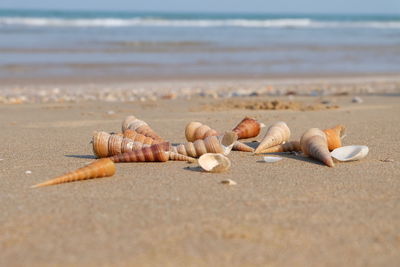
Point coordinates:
pixel 228 182
pixel 214 162
pixel 350 153
pixel 28 172
pixel 270 159
pixel 227 141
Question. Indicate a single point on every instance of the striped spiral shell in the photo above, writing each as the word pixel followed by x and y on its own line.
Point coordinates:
pixel 314 144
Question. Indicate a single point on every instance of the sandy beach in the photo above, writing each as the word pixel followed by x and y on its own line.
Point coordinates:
pixel 295 212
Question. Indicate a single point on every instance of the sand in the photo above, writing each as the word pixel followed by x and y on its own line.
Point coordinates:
pixel 295 212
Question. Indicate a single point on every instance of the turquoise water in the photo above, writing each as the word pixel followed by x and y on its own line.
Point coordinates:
pixel 56 43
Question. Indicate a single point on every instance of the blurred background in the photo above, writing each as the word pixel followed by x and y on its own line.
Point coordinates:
pixel 175 39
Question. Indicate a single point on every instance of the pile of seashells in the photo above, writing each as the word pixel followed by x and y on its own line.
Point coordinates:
pixel 138 142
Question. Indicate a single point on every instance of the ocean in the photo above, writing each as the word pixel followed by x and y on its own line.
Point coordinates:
pixel 42 44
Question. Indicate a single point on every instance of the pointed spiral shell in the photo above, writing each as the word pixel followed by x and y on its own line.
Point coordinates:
pixel 131 122
pixel 314 144
pixel 199 147
pixel 196 130
pixel 137 137
pixel 97 169
pixel 278 133
pixel 292 146
pixel 105 144
pixel 156 152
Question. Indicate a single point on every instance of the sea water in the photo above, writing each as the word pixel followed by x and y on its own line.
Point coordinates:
pixel 162 45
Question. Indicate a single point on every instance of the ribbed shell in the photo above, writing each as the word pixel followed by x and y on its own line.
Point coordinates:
pixel 333 135
pixel 137 137
pixel 155 152
pixel 286 147
pixel 97 169
pixel 196 130
pixel 105 144
pixel 179 157
pixel 278 133
pixel 247 128
pixel 314 144
pixel 131 122
pixel 199 147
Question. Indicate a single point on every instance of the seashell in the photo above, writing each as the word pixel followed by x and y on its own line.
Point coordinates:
pixel 334 136
pixel 314 144
pixel 97 169
pixel 278 133
pixel 196 130
pixel 350 153
pixel 214 162
pixel 272 159
pixel 105 144
pixel 131 122
pixel 180 157
pixel 212 144
pixel 239 146
pixel 286 147
pixel 248 128
pixel 228 182
pixel 137 137
pixel 156 152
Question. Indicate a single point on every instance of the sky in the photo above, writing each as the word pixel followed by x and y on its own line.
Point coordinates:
pixel 218 6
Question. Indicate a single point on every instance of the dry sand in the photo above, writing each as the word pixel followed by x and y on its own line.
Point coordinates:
pixel 295 212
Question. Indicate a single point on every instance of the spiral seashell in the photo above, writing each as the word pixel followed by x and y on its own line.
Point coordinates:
pixel 278 133
pixel 334 136
pixel 105 144
pixel 286 147
pixel 239 146
pixel 196 130
pixel 97 169
pixel 179 157
pixel 156 152
pixel 131 122
pixel 314 144
pixel 211 144
pixel 137 137
pixel 248 128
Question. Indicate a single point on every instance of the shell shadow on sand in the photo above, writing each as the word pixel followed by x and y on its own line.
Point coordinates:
pixel 81 156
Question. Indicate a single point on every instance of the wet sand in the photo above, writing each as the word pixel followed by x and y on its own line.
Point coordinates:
pixel 295 212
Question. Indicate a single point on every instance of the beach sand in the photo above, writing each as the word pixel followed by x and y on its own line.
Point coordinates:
pixel 295 212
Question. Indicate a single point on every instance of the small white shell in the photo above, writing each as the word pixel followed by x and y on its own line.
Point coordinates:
pixel 350 153
pixel 214 162
pixel 270 159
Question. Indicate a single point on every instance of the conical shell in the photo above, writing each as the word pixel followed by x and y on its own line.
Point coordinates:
pixel 286 147
pixel 97 169
pixel 350 153
pixel 105 144
pixel 247 128
pixel 333 135
pixel 137 137
pixel 180 157
pixel 278 133
pixel 211 144
pixel 155 152
pixel 213 162
pixel 131 122
pixel 196 130
pixel 314 144
pixel 239 146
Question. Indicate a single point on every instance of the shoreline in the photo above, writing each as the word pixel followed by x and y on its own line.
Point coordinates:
pixel 48 91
